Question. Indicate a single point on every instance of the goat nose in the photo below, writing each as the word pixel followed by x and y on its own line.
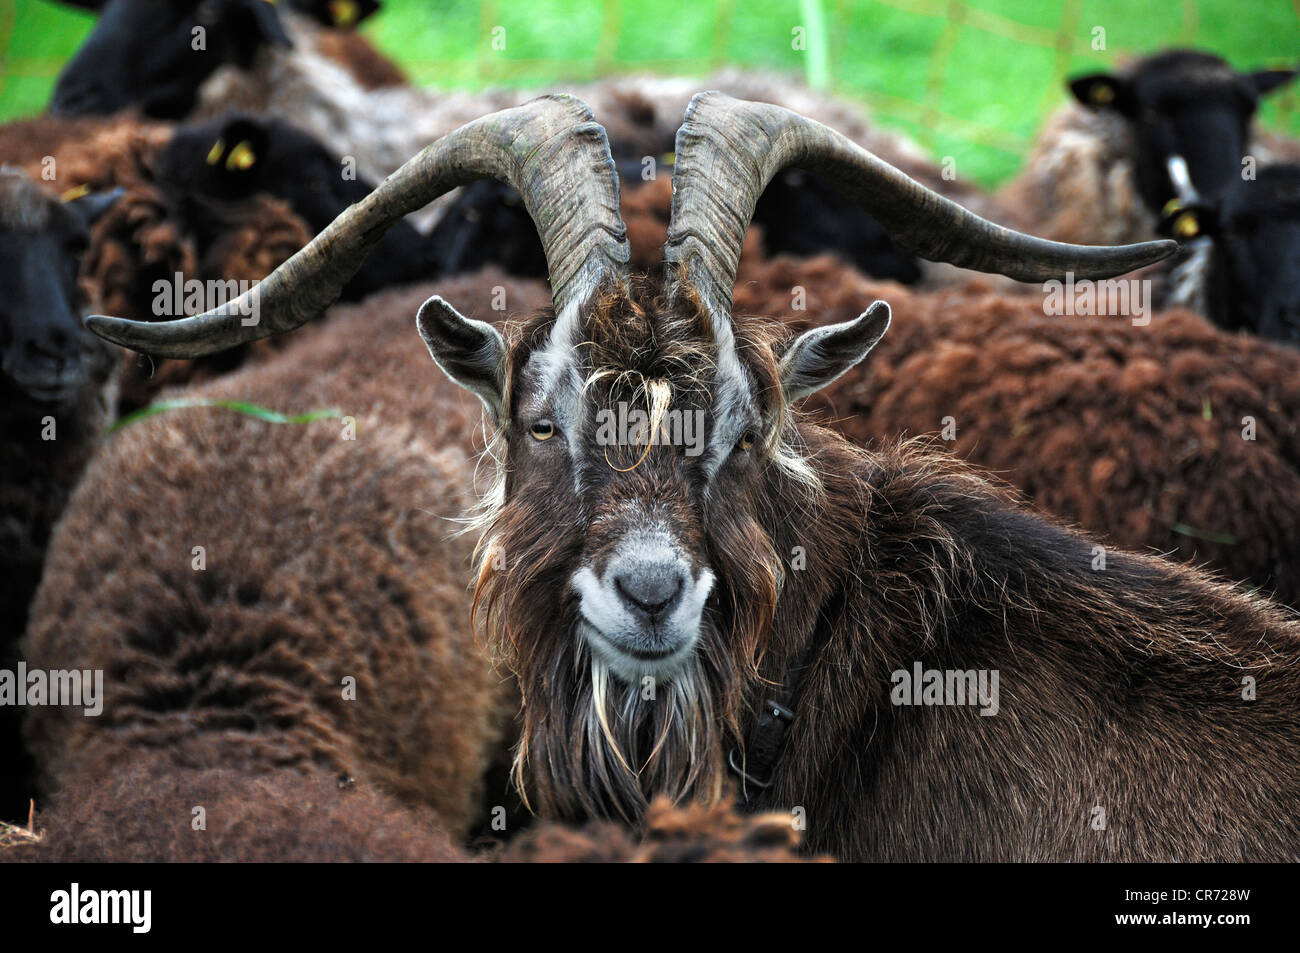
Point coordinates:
pixel 652 590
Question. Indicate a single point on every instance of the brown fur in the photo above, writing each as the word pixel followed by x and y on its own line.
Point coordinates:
pixel 143 811
pixel 371 68
pixel 1078 183
pixel 1121 689
pixel 326 558
pixel 693 833
pixel 1094 420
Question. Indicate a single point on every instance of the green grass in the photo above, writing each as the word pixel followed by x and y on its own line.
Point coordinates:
pixel 972 80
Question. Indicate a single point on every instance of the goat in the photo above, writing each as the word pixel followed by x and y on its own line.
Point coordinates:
pixel 1099 170
pixel 1134 433
pixel 650 599
pixel 56 387
pixel 1242 265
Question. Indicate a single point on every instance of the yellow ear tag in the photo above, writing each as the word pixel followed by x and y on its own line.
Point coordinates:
pixel 76 192
pixel 344 13
pixel 1102 94
pixel 1187 225
pixel 215 153
pixel 1173 205
pixel 241 157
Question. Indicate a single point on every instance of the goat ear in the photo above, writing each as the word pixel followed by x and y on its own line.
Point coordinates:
pixel 1105 91
pixel 472 353
pixel 819 356
pixel 1267 80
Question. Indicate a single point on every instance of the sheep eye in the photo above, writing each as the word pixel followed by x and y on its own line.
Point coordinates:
pixel 746 440
pixel 542 430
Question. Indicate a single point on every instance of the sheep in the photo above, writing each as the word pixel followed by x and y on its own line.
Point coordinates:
pixel 229 638
pixel 240 155
pixel 190 210
pixel 1098 171
pixel 1239 266
pixel 144 56
pixel 56 387
pixel 382 128
pixel 144 812
pixel 1172 436
pixel 379 128
pixel 651 599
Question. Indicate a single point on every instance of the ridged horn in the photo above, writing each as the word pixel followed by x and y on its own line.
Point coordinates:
pixel 728 150
pixel 550 150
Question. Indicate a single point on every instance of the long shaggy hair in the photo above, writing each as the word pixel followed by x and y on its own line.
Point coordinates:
pixel 591 744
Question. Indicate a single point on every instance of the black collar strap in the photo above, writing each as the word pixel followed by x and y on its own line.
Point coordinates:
pixel 757 765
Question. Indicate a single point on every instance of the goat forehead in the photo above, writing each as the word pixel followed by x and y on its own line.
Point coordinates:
pixel 584 369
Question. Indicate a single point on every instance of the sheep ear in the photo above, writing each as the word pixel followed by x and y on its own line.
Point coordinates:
pixel 1105 91
pixel 1267 80
pixel 89 206
pixel 819 356
pixel 472 353
pixel 266 23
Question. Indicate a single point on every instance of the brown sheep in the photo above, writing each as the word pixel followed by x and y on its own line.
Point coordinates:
pixel 1135 433
pixel 308 545
pixel 144 811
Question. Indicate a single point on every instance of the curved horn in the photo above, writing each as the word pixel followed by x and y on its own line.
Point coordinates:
pixel 549 149
pixel 729 149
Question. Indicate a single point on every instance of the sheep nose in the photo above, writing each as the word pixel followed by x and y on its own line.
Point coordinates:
pixel 652 590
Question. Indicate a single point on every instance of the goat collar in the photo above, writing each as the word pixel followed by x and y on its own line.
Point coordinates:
pixel 757 766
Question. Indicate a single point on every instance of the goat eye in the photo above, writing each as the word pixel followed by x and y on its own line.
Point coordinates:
pixel 542 430
pixel 746 440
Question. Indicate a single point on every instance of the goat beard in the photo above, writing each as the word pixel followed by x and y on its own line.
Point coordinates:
pixel 594 746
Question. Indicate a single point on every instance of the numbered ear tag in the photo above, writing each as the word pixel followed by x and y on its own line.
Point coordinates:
pixel 1101 93
pixel 345 13
pixel 1186 225
pixel 241 157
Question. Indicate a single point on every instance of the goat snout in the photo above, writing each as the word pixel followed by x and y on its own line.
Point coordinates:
pixel 651 588
pixel 641 613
